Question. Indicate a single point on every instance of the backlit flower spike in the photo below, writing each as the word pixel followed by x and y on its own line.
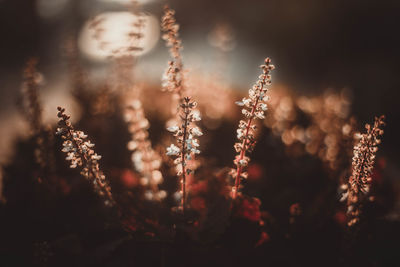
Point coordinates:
pixel 145 160
pixel 253 107
pixel 80 154
pixel 358 187
pixel 186 147
pixel 173 77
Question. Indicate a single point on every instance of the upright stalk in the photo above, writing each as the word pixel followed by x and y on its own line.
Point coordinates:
pixel 187 143
pixel 253 108
pixel 243 151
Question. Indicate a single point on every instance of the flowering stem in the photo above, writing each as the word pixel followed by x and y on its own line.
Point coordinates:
pixel 253 108
pixel 183 179
pixel 90 167
pixel 188 144
pixel 243 151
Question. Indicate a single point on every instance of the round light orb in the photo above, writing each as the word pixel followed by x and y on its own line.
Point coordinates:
pixel 115 29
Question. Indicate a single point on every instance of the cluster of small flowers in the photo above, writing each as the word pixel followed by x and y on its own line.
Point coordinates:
pixel 145 160
pixel 188 144
pixel 80 153
pixel 254 107
pixel 172 79
pixel 359 183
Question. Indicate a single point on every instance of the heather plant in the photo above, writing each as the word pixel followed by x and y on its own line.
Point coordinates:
pixel 253 108
pixel 358 187
pixel 187 144
pixel 145 160
pixel 173 77
pixel 80 153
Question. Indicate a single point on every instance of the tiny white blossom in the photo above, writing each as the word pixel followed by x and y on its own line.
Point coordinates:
pixel 196 116
pixel 173 129
pixel 173 150
pixel 70 156
pixel 196 131
pixel 195 143
pixel 243 162
pixel 59 131
pixel 263 106
pixel 96 157
pixel 239 103
pixel 195 151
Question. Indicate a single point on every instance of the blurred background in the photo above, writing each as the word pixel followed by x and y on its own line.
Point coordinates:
pixel 314 44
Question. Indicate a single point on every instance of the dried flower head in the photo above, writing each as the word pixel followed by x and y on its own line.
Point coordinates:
pixel 187 143
pixel 254 107
pixel 173 77
pixel 358 187
pixel 80 153
pixel 145 160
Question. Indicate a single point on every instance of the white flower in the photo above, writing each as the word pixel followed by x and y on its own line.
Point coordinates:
pixel 196 131
pixel 59 131
pixel 173 150
pixel 173 129
pixel 195 143
pixel 246 112
pixel 239 103
pixel 96 157
pixel 240 133
pixel 263 106
pixel 260 115
pixel 68 146
pixel 344 196
pixel 70 156
pixel 243 162
pixel 247 102
pixel 82 135
pixel 88 144
pixel 196 115
pixel 195 151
